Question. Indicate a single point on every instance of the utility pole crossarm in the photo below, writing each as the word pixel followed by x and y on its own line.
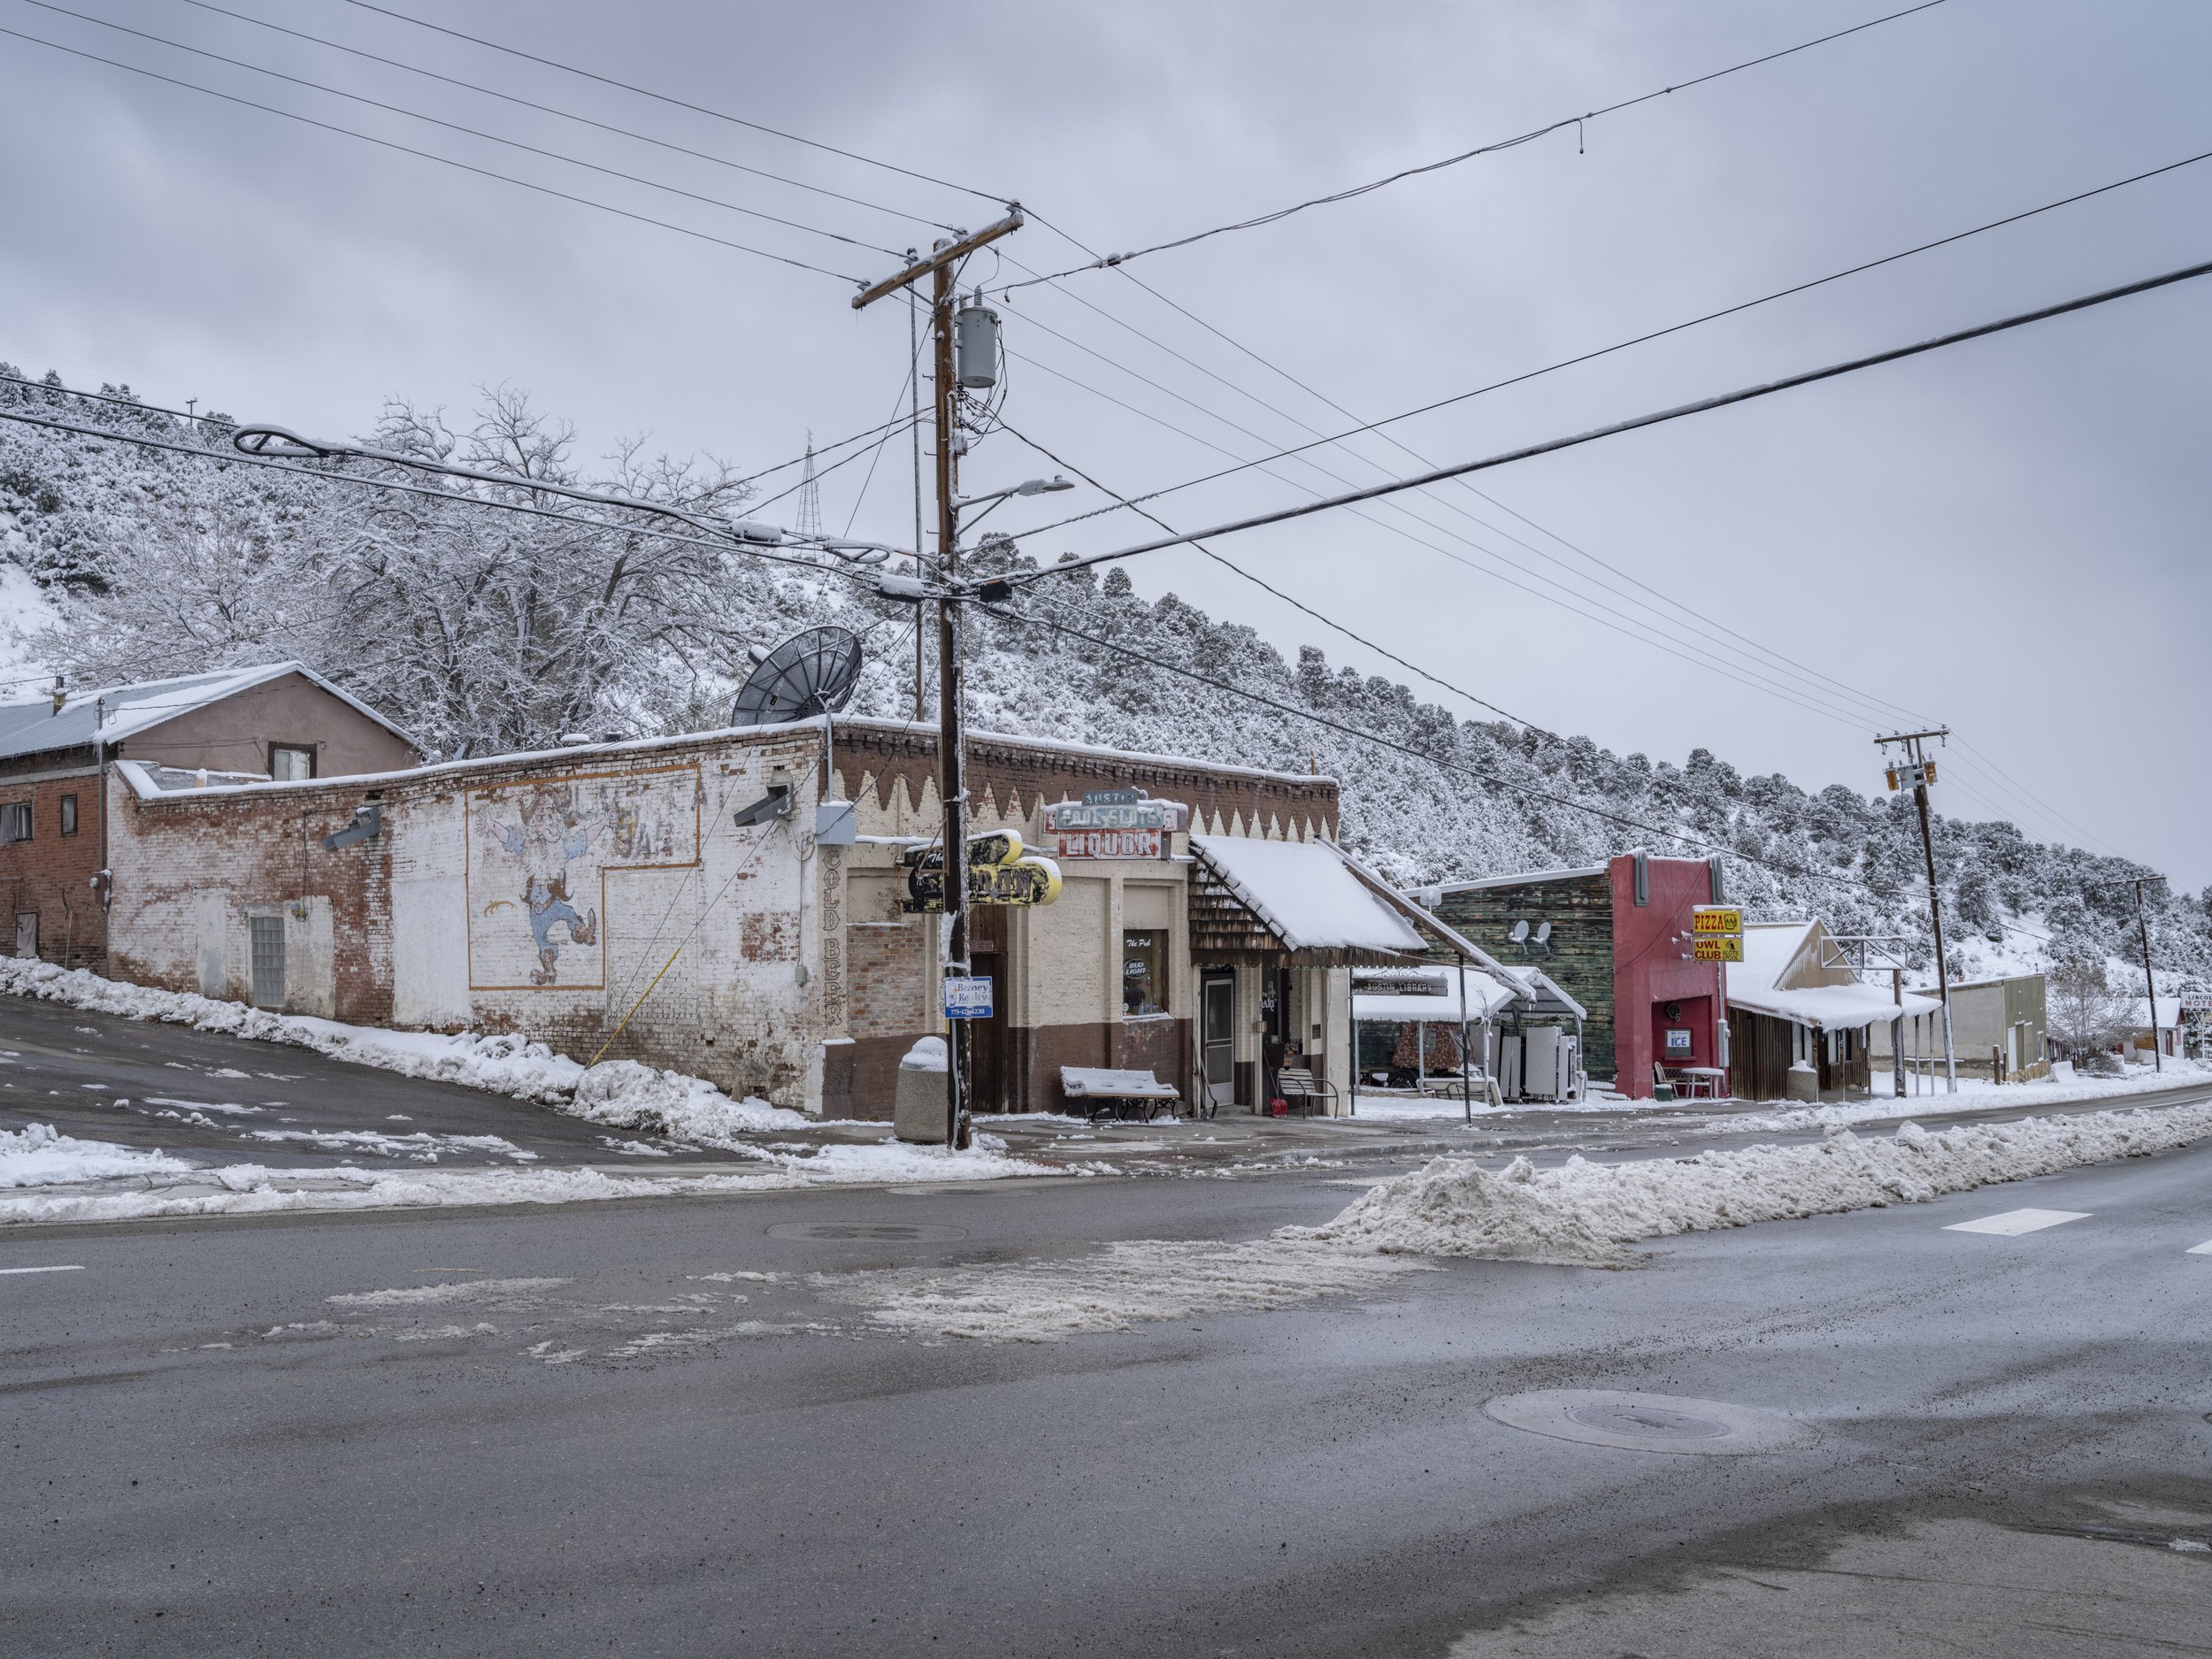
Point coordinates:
pixel 951 253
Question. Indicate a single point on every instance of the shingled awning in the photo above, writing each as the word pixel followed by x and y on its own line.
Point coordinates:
pixel 1294 902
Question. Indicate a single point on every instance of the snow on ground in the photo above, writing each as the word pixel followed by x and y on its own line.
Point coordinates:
pixel 1580 1214
pixel 1127 1284
pixel 252 1189
pixel 2061 1087
pixel 619 1094
pixel 40 1155
pixel 1586 1213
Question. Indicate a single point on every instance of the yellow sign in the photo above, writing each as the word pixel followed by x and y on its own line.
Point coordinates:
pixel 1719 948
pixel 1717 918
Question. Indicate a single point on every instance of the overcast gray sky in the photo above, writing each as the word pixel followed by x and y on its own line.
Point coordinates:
pixel 2008 536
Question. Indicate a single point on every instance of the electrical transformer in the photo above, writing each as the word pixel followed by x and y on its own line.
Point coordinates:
pixel 975 345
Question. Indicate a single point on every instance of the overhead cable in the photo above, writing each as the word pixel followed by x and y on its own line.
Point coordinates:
pixel 568 115
pixel 1563 122
pixel 697 108
pixel 1638 340
pixel 471 131
pixel 408 149
pixel 1637 423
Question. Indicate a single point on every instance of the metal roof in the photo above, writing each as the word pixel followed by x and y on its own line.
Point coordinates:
pixel 35 728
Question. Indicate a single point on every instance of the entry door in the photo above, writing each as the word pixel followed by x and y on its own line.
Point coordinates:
pixel 26 932
pixel 1218 1015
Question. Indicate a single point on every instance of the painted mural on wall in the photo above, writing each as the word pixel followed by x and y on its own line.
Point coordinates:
pixel 539 854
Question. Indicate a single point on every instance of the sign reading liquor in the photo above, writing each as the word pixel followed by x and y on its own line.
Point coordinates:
pixel 1716 918
pixel 1116 824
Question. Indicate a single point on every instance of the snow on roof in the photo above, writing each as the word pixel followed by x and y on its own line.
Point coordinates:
pixel 1545 992
pixel 34 729
pixel 1518 880
pixel 1485 996
pixel 1306 894
pixel 1774 951
pixel 1061 746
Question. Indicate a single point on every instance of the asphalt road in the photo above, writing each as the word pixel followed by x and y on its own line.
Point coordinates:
pixel 561 1431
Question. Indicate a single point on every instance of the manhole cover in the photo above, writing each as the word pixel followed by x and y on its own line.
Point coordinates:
pixel 1648 1423
pixel 873 1232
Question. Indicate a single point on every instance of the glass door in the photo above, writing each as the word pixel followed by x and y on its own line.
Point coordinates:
pixel 1218 999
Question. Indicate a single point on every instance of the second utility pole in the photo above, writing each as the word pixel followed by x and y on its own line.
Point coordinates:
pixel 1918 759
pixel 2150 984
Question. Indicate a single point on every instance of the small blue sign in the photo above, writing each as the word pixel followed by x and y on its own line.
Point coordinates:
pixel 967 998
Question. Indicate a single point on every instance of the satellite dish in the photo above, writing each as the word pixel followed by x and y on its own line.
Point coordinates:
pixel 813 673
pixel 1543 933
pixel 1519 932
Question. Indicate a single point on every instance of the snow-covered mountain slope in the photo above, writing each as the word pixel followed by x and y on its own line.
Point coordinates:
pixel 486 630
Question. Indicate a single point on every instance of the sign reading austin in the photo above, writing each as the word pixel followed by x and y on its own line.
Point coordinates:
pixel 538 855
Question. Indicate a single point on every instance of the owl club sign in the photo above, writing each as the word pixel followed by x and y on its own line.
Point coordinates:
pixel 1115 824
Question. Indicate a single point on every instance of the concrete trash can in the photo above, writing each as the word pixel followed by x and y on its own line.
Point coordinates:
pixel 924 1085
pixel 1801 1082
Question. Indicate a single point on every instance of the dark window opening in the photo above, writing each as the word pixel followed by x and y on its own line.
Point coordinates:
pixel 15 822
pixel 69 815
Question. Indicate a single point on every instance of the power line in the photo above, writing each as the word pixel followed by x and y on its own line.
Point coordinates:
pixel 1620 345
pixel 408 149
pixel 1344 728
pixel 663 97
pixel 472 132
pixel 1637 423
pixel 568 115
pixel 1576 121
pixel 451 496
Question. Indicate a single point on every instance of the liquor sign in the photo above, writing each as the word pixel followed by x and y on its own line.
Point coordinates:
pixel 967 998
pixel 1116 824
pixel 1718 947
pixel 1716 918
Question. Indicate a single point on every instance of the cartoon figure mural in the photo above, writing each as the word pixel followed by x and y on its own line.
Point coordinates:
pixel 549 834
pixel 550 844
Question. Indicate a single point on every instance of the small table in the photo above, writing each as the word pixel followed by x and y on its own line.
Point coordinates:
pixel 1708 1078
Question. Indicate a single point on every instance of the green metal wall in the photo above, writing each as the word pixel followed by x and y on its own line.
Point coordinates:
pixel 1580 911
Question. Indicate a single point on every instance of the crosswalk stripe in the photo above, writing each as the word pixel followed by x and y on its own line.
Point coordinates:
pixel 72 1268
pixel 2012 1223
pixel 2200 1250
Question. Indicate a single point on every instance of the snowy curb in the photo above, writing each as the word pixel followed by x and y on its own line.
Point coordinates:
pixel 620 1093
pixel 1584 1214
pixel 72 1180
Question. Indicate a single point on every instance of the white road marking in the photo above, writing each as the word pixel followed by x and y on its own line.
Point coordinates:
pixel 2200 1250
pixel 2012 1223
pixel 73 1267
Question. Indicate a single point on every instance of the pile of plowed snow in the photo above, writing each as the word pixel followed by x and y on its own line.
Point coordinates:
pixel 1588 1213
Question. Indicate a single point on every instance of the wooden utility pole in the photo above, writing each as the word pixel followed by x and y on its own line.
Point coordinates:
pixel 940 268
pixel 1917 757
pixel 2150 984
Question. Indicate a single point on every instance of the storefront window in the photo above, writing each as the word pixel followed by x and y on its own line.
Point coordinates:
pixel 1144 970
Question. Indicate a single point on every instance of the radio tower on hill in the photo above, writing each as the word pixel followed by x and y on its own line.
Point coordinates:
pixel 810 510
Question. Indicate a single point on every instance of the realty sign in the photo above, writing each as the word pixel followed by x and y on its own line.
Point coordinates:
pixel 967 998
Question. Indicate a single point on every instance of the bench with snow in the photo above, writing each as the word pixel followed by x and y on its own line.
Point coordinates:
pixel 1106 1092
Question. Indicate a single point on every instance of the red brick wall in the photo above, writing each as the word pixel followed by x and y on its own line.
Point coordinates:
pixel 51 873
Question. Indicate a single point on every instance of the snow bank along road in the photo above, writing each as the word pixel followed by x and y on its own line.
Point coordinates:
pixel 680 1429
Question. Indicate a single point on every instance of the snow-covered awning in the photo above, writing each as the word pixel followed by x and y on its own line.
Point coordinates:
pixel 1304 895
pixel 1774 953
pixel 1485 997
